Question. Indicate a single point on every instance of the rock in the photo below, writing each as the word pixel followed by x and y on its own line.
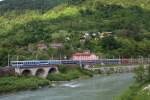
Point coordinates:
pixel 6 71
pixel 147 88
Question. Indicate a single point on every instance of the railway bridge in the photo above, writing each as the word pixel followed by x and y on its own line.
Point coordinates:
pixel 39 71
pixel 42 68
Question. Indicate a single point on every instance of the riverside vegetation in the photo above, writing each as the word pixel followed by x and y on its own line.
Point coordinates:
pixel 17 83
pixel 137 91
pixel 13 83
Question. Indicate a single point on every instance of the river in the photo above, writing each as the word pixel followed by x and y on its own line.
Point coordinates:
pixel 96 88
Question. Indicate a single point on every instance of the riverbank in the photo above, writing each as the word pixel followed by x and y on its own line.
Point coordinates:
pixel 140 90
pixel 16 83
pixel 135 92
pixel 99 87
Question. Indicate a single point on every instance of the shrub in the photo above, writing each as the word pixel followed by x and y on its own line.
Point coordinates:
pixel 13 83
pixel 69 73
pixel 142 74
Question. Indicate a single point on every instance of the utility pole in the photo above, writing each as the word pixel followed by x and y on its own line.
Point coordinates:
pixel 60 56
pixel 139 60
pixel 18 64
pixel 8 60
pixel 52 57
pixel 131 60
pixel 148 59
pixel 119 60
pixel 17 61
pixel 142 60
pixel 36 56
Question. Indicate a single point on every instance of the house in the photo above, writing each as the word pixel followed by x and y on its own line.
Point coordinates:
pixel 56 45
pixel 82 40
pixel 84 56
pixel 42 46
pixel 105 34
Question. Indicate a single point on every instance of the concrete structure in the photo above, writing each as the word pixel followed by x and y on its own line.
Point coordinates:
pixel 36 71
pixel 116 69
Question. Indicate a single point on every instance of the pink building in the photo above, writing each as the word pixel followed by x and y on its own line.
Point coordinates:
pixel 42 46
pixel 56 45
pixel 84 56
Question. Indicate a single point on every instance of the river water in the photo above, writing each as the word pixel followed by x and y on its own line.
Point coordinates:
pixel 97 88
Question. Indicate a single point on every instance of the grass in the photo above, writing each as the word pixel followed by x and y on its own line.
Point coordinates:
pixel 13 83
pixel 67 74
pixel 135 92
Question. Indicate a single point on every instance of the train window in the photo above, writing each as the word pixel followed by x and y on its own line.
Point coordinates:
pixel 14 63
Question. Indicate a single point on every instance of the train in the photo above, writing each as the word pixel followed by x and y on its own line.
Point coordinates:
pixel 64 62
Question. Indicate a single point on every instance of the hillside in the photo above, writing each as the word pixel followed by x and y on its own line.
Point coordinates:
pixel 27 23
pixel 20 5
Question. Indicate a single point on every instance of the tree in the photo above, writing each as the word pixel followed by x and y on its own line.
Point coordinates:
pixel 109 43
pixel 140 74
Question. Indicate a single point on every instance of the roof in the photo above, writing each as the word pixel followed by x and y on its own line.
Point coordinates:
pixel 83 54
pixel 56 44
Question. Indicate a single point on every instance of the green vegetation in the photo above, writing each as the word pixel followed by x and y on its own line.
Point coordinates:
pixel 12 83
pixel 27 22
pixel 16 83
pixel 67 74
pixel 137 91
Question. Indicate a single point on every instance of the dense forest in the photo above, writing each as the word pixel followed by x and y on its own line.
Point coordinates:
pixel 77 24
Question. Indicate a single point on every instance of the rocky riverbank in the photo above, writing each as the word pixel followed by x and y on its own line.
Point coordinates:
pixel 115 69
pixel 6 71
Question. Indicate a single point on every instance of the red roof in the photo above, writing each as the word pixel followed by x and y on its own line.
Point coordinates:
pixel 82 54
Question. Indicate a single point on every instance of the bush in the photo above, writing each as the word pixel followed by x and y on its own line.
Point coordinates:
pixel 62 68
pixel 67 74
pixel 12 83
pixel 142 74
pixel 87 72
pixel 136 92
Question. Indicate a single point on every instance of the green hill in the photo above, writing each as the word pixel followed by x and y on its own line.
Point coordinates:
pixel 29 22
pixel 20 5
